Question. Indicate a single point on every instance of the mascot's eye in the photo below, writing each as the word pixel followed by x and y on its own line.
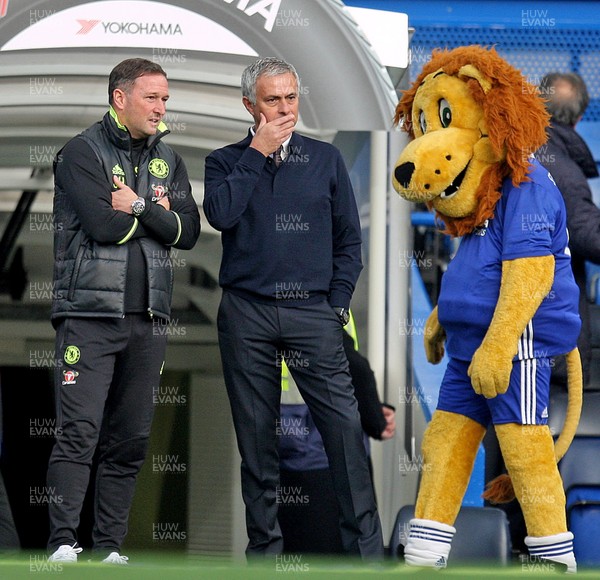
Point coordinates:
pixel 422 122
pixel 445 113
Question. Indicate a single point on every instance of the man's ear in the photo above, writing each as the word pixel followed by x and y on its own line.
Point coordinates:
pixel 248 104
pixel 118 98
pixel 469 71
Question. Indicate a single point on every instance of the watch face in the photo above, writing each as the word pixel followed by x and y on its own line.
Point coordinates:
pixel 137 207
pixel 343 315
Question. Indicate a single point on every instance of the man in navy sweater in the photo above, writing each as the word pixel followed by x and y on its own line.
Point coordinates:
pixel 291 240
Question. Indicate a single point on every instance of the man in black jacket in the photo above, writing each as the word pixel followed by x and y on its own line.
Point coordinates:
pixel 571 164
pixel 122 200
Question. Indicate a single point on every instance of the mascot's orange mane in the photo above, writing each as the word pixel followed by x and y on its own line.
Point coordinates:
pixel 513 136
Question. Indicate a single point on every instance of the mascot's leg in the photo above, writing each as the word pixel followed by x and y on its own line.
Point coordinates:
pixel 450 446
pixel 528 452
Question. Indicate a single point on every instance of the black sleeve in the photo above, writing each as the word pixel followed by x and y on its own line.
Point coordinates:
pixel 179 227
pixel 78 172
pixel 365 390
pixel 583 216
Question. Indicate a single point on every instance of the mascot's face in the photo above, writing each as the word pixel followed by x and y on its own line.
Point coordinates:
pixel 444 163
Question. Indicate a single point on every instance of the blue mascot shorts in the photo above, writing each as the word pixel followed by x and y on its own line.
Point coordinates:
pixel 525 401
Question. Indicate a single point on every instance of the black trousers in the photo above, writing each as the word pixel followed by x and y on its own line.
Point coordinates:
pixel 253 338
pixel 104 395
pixel 9 539
pixel 309 514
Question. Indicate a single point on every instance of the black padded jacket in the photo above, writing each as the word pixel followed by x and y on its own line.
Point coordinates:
pixel 571 164
pixel 91 238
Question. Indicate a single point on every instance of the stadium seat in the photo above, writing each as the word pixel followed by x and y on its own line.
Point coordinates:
pixel 592 276
pixel 580 472
pixel 482 535
pixel 589 423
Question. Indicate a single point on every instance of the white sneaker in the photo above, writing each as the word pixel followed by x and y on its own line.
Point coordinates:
pixel 65 553
pixel 115 558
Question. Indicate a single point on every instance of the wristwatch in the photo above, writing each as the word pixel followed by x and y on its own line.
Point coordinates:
pixel 138 206
pixel 343 314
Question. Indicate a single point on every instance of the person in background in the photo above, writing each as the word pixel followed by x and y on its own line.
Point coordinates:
pixel 9 538
pixel 122 201
pixel 308 512
pixel 291 240
pixel 571 164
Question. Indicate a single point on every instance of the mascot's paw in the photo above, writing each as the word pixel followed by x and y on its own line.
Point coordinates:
pixel 435 337
pixel 434 350
pixel 490 371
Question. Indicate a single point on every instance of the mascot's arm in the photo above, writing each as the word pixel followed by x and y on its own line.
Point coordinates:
pixel 435 336
pixel 525 283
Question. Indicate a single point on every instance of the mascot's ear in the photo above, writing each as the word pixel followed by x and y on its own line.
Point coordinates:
pixel 469 71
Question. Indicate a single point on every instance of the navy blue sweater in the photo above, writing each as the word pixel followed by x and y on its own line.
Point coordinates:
pixel 290 235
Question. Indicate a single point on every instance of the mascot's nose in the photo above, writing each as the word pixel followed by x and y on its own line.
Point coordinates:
pixel 403 173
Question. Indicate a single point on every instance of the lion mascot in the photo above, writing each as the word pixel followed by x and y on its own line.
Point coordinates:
pixel 508 302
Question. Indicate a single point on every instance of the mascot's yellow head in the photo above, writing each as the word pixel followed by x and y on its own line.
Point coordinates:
pixel 473 120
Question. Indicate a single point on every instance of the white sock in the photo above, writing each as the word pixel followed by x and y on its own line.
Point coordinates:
pixel 428 543
pixel 556 548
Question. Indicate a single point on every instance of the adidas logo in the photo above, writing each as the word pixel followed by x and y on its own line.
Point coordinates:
pixel 117 170
pixel 441 563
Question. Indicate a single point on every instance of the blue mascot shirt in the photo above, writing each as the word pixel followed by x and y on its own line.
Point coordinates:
pixel 529 221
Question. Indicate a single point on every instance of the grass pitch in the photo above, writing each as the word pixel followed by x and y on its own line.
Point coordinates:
pixel 153 566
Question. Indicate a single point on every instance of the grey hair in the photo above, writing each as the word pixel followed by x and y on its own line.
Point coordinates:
pixel 564 110
pixel 269 66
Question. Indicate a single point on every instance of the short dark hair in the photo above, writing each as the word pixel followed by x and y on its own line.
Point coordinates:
pixel 567 111
pixel 269 66
pixel 124 74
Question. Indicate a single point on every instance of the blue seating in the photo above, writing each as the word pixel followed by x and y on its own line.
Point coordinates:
pixel 580 472
pixel 592 282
